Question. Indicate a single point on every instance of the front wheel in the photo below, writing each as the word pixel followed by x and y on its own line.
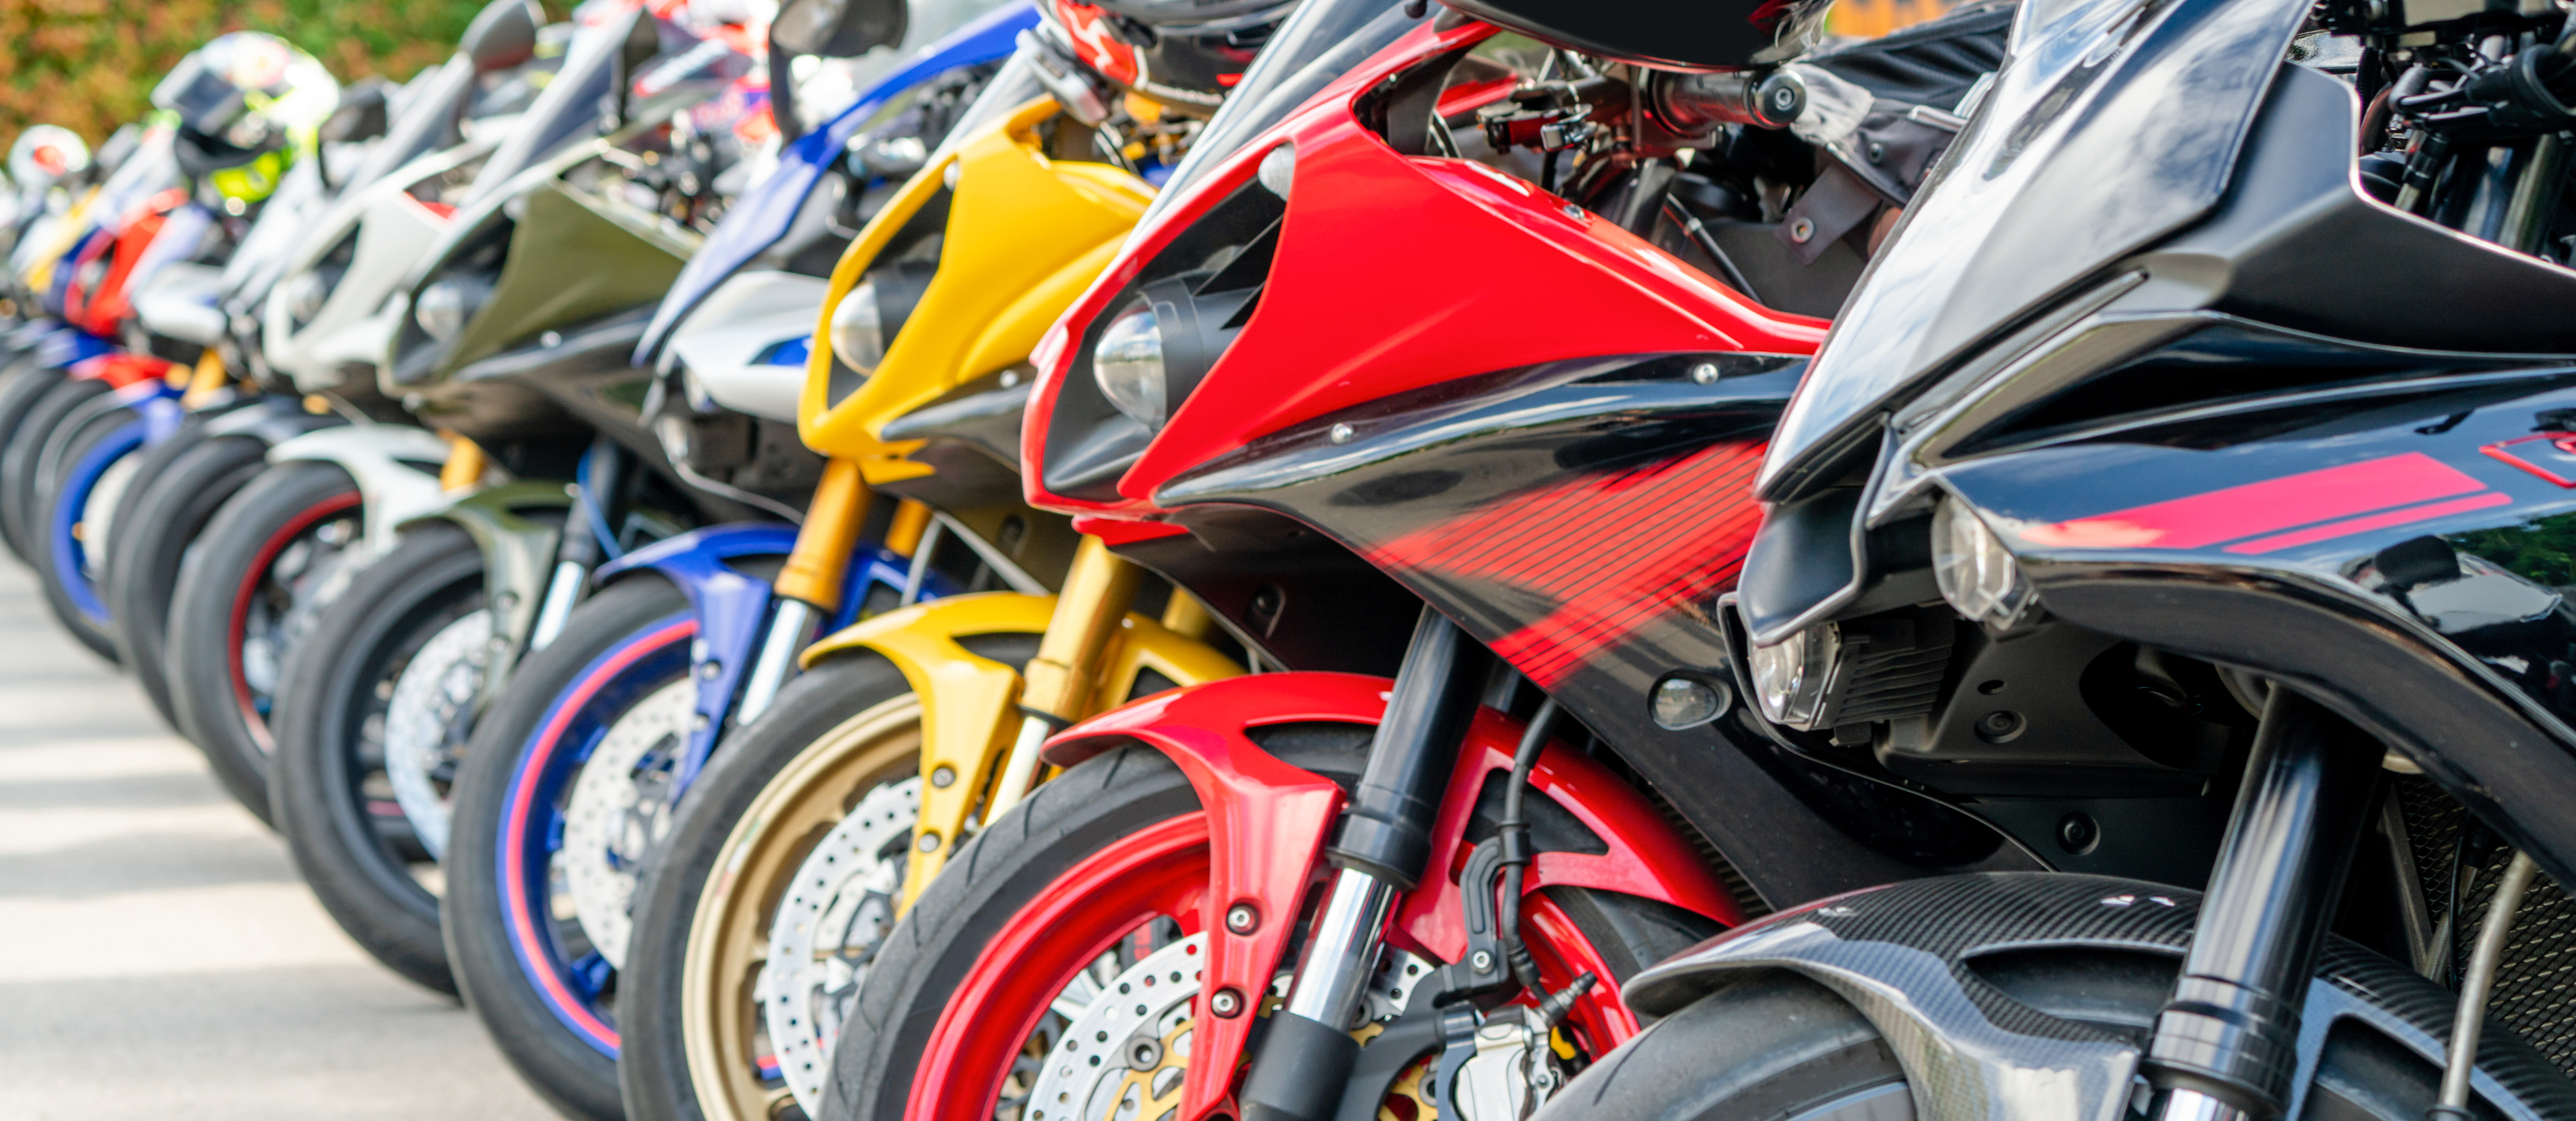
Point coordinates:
pixel 175 495
pixel 251 588
pixel 1074 921
pixel 335 782
pixel 561 801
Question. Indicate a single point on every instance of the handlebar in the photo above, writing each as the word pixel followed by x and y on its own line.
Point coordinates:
pixel 1695 103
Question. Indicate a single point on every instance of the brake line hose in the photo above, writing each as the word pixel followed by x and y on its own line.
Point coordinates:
pixel 2476 986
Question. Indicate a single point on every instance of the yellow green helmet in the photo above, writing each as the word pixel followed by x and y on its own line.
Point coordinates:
pixel 247 105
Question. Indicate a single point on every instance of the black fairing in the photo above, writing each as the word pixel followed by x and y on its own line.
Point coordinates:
pixel 1639 472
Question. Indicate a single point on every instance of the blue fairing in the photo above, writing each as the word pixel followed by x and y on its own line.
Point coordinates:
pixel 762 215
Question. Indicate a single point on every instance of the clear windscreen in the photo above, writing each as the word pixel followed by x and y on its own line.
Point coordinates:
pixel 2112 125
pixel 1320 41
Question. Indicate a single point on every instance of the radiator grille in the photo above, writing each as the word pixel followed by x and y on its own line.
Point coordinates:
pixel 2535 991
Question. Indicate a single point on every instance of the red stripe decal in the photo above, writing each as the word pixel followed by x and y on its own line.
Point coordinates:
pixel 2269 506
pixel 2371 522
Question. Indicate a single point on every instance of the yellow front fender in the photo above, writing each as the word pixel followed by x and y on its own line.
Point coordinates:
pixel 970 703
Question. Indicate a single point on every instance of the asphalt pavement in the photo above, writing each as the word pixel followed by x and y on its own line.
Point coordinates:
pixel 158 957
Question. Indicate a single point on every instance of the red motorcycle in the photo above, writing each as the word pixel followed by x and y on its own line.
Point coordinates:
pixel 1421 367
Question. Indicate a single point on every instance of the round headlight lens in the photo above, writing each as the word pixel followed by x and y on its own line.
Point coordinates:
pixel 1791 676
pixel 442 310
pixel 1129 367
pixel 858 333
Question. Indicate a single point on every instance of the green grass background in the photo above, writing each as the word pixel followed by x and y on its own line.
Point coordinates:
pixel 91 64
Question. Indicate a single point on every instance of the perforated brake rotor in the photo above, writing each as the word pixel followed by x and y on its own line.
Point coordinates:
pixel 620 808
pixel 830 923
pixel 428 719
pixel 306 576
pixel 1126 1053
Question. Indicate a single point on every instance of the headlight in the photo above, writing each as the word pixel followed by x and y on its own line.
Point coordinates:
pixel 858 332
pixel 443 309
pixel 1792 677
pixel 305 296
pixel 1129 367
pixel 1977 574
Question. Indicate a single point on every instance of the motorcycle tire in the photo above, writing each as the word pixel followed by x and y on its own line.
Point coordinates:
pixel 1121 824
pixel 179 488
pixel 688 1007
pixel 19 461
pixel 327 784
pixel 1776 1046
pixel 545 989
pixel 96 462
pixel 26 385
pixel 247 592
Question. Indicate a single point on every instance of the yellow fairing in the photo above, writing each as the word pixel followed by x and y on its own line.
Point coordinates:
pixel 1025 236
pixel 970 704
pixel 75 223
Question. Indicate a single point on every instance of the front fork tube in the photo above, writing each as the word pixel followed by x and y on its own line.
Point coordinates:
pixel 2225 1047
pixel 1382 848
pixel 1056 686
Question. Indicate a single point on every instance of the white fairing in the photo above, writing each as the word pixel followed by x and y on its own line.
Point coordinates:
pixel 354 326
pixel 179 303
pixel 721 344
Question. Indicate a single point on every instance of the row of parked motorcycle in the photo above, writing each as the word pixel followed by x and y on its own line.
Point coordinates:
pixel 1337 559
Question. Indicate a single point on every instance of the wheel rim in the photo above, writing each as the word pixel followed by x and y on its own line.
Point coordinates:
pixel 566 973
pixel 735 931
pixel 276 602
pixel 428 721
pixel 978 1061
pixel 80 516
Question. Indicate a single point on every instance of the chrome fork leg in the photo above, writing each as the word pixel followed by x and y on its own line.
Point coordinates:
pixel 1381 849
pixel 789 627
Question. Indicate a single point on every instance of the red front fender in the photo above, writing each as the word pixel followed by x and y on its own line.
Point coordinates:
pixel 1267 822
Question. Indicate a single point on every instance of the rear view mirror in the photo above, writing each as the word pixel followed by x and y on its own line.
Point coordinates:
pixel 502 36
pixel 839 28
pixel 362 114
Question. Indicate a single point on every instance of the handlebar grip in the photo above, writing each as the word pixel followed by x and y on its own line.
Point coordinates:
pixel 1692 103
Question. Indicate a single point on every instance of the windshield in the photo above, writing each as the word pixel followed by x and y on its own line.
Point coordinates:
pixel 1320 41
pixel 2113 124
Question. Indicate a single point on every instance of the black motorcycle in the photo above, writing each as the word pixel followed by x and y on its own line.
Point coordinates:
pixel 2188 491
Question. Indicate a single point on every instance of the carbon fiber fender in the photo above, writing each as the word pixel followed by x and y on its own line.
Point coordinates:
pixel 518 558
pixel 969 703
pixel 384 459
pixel 1902 954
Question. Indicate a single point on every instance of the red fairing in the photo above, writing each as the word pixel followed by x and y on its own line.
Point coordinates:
pixel 1266 824
pixel 1396 272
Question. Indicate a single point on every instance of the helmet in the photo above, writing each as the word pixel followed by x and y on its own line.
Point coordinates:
pixel 246 104
pixel 46 153
pixel 1182 53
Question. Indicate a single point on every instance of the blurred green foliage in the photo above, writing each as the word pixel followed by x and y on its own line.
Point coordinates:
pixel 90 64
pixel 2542 551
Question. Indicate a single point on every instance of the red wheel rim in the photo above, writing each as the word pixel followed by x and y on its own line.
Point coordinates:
pixel 1158 872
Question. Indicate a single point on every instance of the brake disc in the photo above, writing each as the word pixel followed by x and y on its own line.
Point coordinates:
pixel 309 574
pixel 830 923
pixel 428 719
pixel 1125 1055
pixel 621 806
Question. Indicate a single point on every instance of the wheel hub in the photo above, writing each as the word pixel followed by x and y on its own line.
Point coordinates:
pixel 428 719
pixel 829 926
pixel 620 808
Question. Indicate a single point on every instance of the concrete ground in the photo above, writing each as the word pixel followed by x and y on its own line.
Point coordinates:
pixel 158 956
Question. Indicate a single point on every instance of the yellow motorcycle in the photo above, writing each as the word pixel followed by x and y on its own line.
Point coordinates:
pixel 817 824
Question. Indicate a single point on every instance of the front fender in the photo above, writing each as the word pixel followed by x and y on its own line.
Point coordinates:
pixel 969 703
pixel 1267 821
pixel 272 421
pixel 384 460
pixel 518 558
pixel 1900 954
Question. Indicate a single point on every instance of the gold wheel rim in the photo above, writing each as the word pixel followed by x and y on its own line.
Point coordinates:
pixel 729 928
